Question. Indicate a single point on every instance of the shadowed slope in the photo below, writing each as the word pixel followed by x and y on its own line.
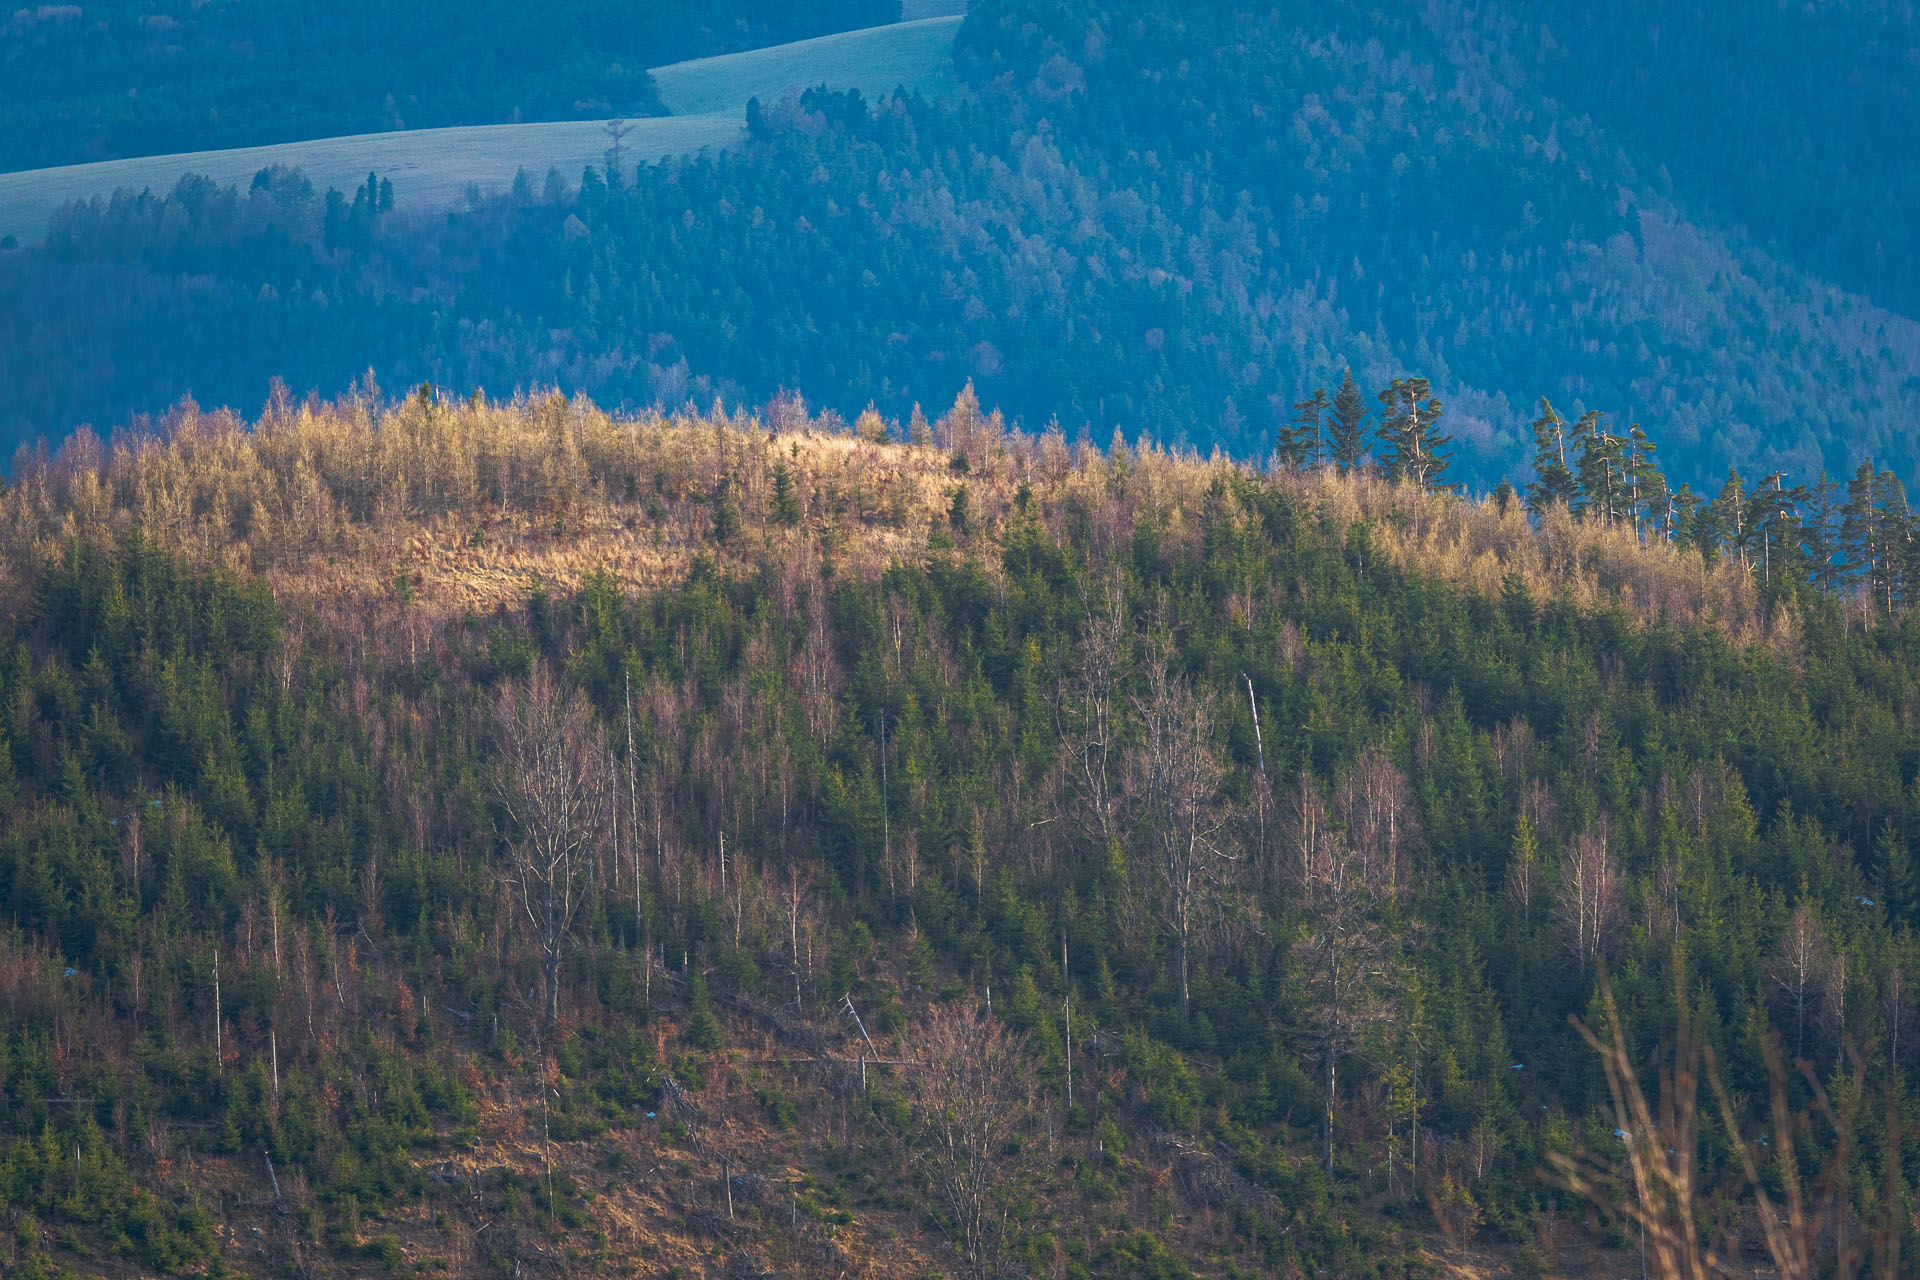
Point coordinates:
pixel 432 168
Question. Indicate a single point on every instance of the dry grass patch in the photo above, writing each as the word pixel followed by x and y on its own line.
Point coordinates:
pixel 473 501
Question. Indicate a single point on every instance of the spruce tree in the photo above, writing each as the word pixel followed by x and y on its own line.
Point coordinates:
pixel 1877 529
pixel 1676 522
pixel 726 520
pixel 1893 867
pixel 786 498
pixel 703 1028
pixel 1647 488
pixel 959 511
pixel 1298 441
pixel 1553 478
pixel 1410 431
pixel 1602 468
pixel 1820 533
pixel 1347 425
pixel 1772 525
pixel 1861 544
pixel 1704 528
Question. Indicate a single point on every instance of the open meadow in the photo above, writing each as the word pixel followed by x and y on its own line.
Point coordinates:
pixel 434 168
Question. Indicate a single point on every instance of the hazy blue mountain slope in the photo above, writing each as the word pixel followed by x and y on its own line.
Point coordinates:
pixel 1164 219
pixel 1799 122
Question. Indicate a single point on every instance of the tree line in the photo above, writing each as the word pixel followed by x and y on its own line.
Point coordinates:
pixel 1859 535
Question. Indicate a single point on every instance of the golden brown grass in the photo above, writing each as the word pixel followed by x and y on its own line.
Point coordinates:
pixel 473 500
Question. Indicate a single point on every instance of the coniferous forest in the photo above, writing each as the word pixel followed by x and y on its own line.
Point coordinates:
pixel 1269 641
pixel 446 835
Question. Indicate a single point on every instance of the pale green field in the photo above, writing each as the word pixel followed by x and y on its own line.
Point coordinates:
pixel 433 168
pixel 875 61
pixel 429 167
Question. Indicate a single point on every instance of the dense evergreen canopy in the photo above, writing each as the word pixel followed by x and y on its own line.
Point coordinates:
pixel 1292 795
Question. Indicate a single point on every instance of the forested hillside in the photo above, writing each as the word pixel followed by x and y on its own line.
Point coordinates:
pixel 1175 220
pixel 1795 121
pixel 111 78
pixel 505 839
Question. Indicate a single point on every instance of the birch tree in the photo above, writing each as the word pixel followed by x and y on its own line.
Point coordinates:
pixel 1181 771
pixel 1345 951
pixel 1587 902
pixel 1086 719
pixel 555 797
pixel 1800 971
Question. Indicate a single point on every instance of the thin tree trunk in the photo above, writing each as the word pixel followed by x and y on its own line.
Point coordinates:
pixel 552 957
pixel 1185 999
pixel 633 810
pixel 1333 1023
pixel 218 1064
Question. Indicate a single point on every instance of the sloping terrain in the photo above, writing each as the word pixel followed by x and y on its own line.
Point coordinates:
pixel 433 168
pixel 913 55
pixel 885 732
pixel 428 167
pixel 122 78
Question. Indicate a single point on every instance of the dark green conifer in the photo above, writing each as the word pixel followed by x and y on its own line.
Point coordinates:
pixel 1299 440
pixel 703 1028
pixel 1347 425
pixel 1553 476
pixel 1415 447
pixel 786 498
pixel 1646 486
pixel 1601 465
pixel 959 511
pixel 1893 866
pixel 1820 533
pixel 1727 532
pixel 1772 526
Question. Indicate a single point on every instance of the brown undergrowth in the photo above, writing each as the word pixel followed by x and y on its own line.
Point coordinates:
pixel 461 506
pixel 709 1184
pixel 647 1200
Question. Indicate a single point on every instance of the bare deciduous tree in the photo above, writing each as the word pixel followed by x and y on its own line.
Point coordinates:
pixel 1896 1005
pixel 1802 972
pixel 971 1100
pixel 1588 902
pixel 554 792
pixel 1181 771
pixel 1373 803
pixel 1086 720
pixel 1344 948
